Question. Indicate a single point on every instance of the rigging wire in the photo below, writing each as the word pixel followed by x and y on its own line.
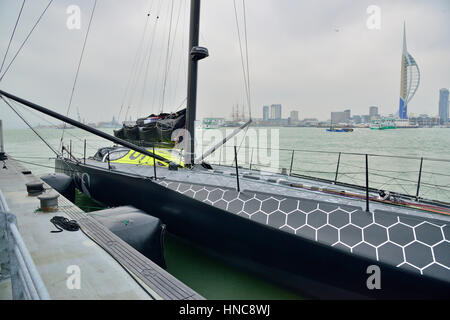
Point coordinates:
pixel 245 71
pixel 78 68
pixel 167 57
pixel 181 104
pixel 140 66
pixel 26 39
pixel 143 62
pixel 156 82
pixel 12 36
pixel 180 65
pixel 135 63
pixel 147 67
pixel 173 44
pixel 88 145
pixel 29 125
pixel 248 68
pixel 246 83
pixel 157 78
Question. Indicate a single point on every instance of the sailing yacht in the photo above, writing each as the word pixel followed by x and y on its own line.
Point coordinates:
pixel 317 241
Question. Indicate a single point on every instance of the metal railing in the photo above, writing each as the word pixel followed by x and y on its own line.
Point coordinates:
pixel 418 178
pixel 15 260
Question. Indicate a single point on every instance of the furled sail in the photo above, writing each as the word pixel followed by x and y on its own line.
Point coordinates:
pixel 152 130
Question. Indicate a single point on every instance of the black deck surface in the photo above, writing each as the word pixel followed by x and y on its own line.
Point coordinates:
pixel 420 245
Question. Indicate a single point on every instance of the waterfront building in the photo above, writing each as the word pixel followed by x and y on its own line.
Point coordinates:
pixel 294 116
pixel 339 117
pixel 311 122
pixel 265 113
pixel 424 120
pixel 356 119
pixel 373 112
pixel 365 118
pixel 347 115
pixel 409 79
pixel 275 112
pixel 443 105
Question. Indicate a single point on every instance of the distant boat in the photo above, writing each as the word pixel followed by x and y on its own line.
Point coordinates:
pixel 332 129
pixel 383 124
pixel 212 123
pixel 340 130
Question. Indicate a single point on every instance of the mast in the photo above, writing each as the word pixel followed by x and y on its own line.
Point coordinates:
pixel 196 53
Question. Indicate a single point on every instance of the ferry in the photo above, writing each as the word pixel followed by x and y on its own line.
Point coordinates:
pixel 212 123
pixel 383 124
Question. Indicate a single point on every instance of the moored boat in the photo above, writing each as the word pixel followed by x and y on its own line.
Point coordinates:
pixel 319 241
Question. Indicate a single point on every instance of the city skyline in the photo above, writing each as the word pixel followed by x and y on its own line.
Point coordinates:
pixel 346 115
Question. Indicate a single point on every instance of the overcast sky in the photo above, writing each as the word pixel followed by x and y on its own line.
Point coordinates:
pixel 311 56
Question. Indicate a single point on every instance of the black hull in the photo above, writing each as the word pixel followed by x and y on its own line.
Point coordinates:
pixel 308 267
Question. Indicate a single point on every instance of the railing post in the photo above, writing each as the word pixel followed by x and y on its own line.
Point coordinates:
pixel 337 168
pixel 251 158
pixel 4 254
pixel 367 183
pixel 154 163
pixel 292 162
pixel 2 150
pixel 420 176
pixel 70 147
pixel 237 170
pixel 109 165
pixel 84 151
pixel 220 154
pixel 26 281
pixel 1 137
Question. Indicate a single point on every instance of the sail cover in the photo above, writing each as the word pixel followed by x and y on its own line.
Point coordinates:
pixel 152 130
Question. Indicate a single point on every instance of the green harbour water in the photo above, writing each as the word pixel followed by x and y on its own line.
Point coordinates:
pixel 215 279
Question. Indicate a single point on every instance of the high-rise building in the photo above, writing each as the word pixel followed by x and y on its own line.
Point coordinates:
pixel 338 117
pixel 365 118
pixel 356 119
pixel 348 114
pixel 275 112
pixel 265 113
pixel 294 116
pixel 373 112
pixel 409 79
pixel 443 105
